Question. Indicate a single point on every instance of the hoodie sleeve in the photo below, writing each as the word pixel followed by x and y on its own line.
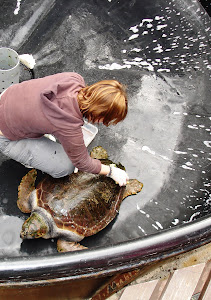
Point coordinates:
pixel 76 150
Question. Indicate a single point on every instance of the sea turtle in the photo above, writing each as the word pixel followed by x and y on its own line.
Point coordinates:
pixel 72 207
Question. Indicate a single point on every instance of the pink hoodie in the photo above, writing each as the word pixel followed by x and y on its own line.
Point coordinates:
pixel 48 105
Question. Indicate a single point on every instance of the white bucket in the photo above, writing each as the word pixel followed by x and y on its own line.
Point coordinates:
pixel 9 68
pixel 89 132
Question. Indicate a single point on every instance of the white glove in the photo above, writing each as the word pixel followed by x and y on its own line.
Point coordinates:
pixel 118 175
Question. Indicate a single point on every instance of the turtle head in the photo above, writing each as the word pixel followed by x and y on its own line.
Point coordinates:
pixel 34 227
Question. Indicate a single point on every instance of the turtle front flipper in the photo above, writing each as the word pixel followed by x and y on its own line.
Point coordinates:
pixel 99 153
pixel 25 188
pixel 133 187
pixel 65 246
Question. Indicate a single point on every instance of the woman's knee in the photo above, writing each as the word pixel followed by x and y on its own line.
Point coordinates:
pixel 42 154
pixel 61 171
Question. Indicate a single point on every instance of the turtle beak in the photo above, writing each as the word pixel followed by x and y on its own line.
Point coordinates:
pixel 28 231
pixel 34 227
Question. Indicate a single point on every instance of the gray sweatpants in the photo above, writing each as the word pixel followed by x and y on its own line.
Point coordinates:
pixel 42 154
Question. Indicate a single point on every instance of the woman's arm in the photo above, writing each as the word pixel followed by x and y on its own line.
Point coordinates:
pixel 105 170
pixel 76 150
pixel 73 144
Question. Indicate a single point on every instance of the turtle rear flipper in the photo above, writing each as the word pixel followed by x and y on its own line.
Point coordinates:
pixel 65 246
pixel 25 188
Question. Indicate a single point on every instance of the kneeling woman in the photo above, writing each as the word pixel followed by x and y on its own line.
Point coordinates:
pixel 56 105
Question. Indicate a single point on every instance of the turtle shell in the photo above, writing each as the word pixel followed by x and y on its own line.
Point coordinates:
pixel 84 203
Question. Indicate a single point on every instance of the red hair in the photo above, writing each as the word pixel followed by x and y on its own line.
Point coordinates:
pixel 105 100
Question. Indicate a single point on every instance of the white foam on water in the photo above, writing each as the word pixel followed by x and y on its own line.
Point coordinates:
pixel 147 65
pixel 159 225
pixel 145 20
pixel 158 49
pixel 134 29
pixel 147 149
pixel 193 216
pixel 207 143
pixel 187 168
pixel 136 49
pixel 180 152
pixel 188 163
pixel 141 211
pixel 193 126
pixel 138 59
pixel 165 157
pixel 133 36
pixel 163 70
pixel 155 227
pixel 158 18
pixel 175 221
pixel 114 66
pixel 142 230
pixel 16 11
pixel 159 27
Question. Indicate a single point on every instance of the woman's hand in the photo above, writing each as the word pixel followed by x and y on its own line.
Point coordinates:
pixel 118 175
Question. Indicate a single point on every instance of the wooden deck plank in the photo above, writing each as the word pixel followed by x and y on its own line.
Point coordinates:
pixel 183 283
pixel 141 291
pixel 159 289
pixel 204 278
pixel 207 295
